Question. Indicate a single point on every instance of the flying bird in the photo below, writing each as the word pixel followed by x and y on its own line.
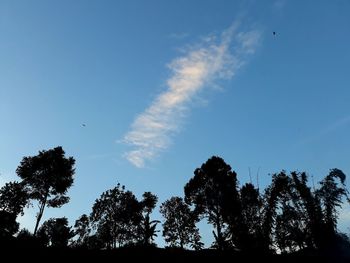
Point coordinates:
pixel 84 125
pixel 274 33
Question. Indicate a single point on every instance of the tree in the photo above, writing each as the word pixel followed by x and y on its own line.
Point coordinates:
pixel 25 235
pixel 250 232
pixel 27 240
pixel 295 217
pixel 47 176
pixel 148 230
pixel 179 227
pixel 107 233
pixel 292 221
pixel 117 215
pixel 55 232
pixel 8 225
pixel 213 192
pixel 13 198
pixel 276 192
pixel 308 209
pixel 330 196
pixel 82 229
pixel 148 226
pixel 289 230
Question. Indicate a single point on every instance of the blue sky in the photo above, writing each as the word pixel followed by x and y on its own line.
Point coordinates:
pixel 164 85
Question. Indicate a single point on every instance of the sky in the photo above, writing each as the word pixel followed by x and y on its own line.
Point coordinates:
pixel 143 92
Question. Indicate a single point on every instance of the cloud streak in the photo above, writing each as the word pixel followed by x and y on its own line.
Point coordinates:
pixel 215 57
pixel 333 127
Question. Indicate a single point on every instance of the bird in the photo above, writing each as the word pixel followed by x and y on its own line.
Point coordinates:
pixel 274 33
pixel 84 125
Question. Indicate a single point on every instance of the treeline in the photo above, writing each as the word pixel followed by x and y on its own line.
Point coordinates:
pixel 288 216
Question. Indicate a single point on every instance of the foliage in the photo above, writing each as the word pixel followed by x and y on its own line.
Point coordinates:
pixel 24 234
pixel 55 232
pixel 13 198
pixel 213 192
pixel 248 236
pixel 116 215
pixel 8 225
pixel 179 227
pixel 330 196
pixel 82 229
pixel 289 217
pixel 147 228
pixel 47 177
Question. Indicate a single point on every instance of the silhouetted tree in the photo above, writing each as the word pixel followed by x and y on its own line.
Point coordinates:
pixel 47 177
pixel 309 210
pixel 13 198
pixel 295 217
pixel 330 195
pixel 213 192
pixel 27 240
pixel 179 227
pixel 249 236
pixel 289 230
pixel 118 213
pixel 8 225
pixel 148 227
pixel 94 242
pixel 82 229
pixel 277 191
pixel 55 232
pixel 290 213
pixel 25 235
pixel 107 233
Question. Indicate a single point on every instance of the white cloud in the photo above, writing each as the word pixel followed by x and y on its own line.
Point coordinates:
pixel 214 58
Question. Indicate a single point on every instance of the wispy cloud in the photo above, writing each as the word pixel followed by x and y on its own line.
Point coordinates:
pixel 215 57
pixel 332 127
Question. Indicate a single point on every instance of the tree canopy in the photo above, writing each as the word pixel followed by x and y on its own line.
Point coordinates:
pixel 213 192
pixel 47 177
pixel 55 232
pixel 179 227
pixel 13 198
pixel 116 215
pixel 288 216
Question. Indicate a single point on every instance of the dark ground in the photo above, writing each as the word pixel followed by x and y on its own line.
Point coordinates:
pixel 137 254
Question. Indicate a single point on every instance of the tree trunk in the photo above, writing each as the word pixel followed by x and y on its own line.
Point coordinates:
pixel 219 234
pixel 40 214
